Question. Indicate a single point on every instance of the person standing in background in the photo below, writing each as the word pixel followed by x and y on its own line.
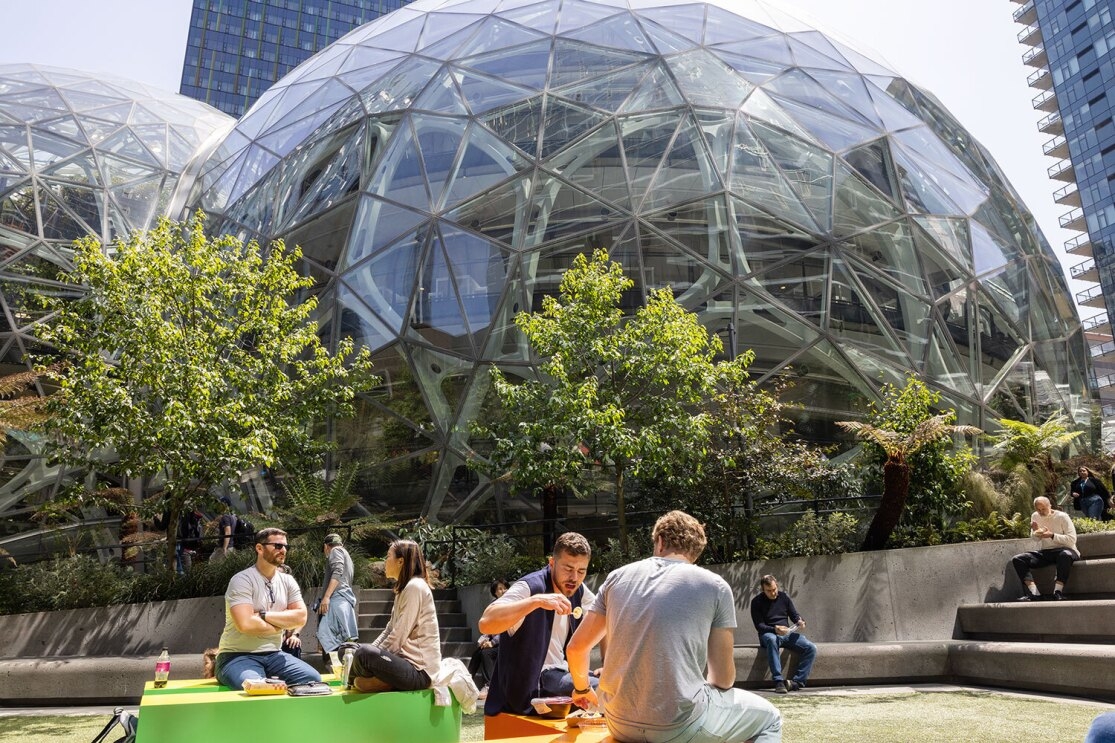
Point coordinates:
pixel 336 610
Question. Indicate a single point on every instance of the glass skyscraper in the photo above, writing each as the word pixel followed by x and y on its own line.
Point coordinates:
pixel 1070 44
pixel 238 48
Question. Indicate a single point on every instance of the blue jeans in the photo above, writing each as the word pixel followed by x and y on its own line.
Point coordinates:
pixel 557 682
pixel 234 668
pixel 797 643
pixel 1092 505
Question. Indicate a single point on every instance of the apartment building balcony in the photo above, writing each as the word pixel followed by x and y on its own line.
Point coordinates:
pixel 1057 147
pixel 1100 350
pixel 1098 323
pixel 1062 171
pixel 1036 57
pixel 1069 195
pixel 1074 220
pixel 1040 79
pixel 1019 2
pixel 1092 297
pixel 1079 245
pixel 1030 36
pixel 1085 271
pixel 1052 124
pixel 1045 101
pixel 1027 14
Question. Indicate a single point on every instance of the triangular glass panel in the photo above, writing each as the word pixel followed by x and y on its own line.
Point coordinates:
pixel 858 206
pixel 586 15
pixel 834 132
pixel 656 90
pixel 120 113
pixel 399 175
pixel 14 141
pixel 445 33
pixel 125 144
pixel 386 281
pixel 621 31
pixel 895 117
pixel 47 148
pixel 560 209
pixel 945 366
pixel 518 124
pixel 646 140
pixel 258 161
pixel 716 127
pixel 767 238
pixel 323 240
pixel 966 193
pixel 873 162
pixel 1053 314
pixel 665 41
pixel 59 223
pixel 687 173
pixel 377 224
pixel 527 64
pixel 65 126
pixel 607 92
pixel 755 71
pixel 796 287
pixel 500 214
pixel 773 49
pixel 9 164
pixel 685 20
pixel 338 178
pixel 705 80
pixel 859 320
pixel 939 264
pixel 483 93
pixel 81 170
pixel 851 90
pixel 400 88
pixel 597 156
pixel 809 169
pixel 17 211
pixel 806 91
pixel 484 162
pixel 439 139
pixel 988 252
pixel 357 321
pixel 999 342
pixel 702 227
pixel 922 192
pixel 437 313
pixel 442 96
pixel 563 123
pixel 923 143
pixel 362 78
pixel 755 178
pixel 539 16
pixel 576 62
pixel 1006 223
pixel 812 50
pixel 505 342
pixel 760 107
pixel 137 202
pixel 480 268
pixel 1053 361
pixel 889 249
pixel 403 37
pixel 10 182
pixel 496 34
pixel 724 26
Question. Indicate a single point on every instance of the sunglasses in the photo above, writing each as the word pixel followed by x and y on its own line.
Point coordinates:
pixel 277 545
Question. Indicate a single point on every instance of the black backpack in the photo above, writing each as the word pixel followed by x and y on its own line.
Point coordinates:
pixel 243 534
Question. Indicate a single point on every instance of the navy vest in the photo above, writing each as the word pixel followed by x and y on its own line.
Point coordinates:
pixel 521 655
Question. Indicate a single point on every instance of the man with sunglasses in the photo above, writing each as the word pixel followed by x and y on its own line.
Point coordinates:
pixel 260 603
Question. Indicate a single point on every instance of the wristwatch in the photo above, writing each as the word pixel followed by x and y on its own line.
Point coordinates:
pixel 263 615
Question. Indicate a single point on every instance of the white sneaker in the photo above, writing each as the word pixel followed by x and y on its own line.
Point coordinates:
pixel 483 692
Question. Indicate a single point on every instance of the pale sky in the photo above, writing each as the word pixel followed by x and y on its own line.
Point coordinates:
pixel 963 51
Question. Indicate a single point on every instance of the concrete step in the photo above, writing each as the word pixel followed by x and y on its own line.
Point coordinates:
pixel 1067 621
pixel 387 594
pixel 1100 544
pixel 1058 668
pixel 448 634
pixel 379 621
pixel 854 663
pixel 384 607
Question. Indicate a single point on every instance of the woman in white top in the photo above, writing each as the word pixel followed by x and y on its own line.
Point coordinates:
pixel 407 653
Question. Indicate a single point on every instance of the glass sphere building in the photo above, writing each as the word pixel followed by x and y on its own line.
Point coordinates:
pixel 441 166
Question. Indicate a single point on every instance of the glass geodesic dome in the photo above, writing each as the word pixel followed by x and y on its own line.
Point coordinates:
pixel 442 165
pixel 80 155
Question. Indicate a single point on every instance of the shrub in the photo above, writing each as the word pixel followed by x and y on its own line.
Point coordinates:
pixel 992 526
pixel 1085 525
pixel 813 535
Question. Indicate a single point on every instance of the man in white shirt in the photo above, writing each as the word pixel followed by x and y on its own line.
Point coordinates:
pixel 1056 537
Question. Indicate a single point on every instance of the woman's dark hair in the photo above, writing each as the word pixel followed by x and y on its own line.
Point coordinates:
pixel 413 564
pixel 496 584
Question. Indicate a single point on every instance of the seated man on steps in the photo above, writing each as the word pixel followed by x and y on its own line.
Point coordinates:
pixel 779 626
pixel 1056 541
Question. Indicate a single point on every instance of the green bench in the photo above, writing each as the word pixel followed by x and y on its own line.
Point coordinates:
pixel 187 711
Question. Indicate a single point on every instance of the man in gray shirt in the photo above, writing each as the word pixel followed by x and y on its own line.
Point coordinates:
pixel 260 603
pixel 666 620
pixel 337 608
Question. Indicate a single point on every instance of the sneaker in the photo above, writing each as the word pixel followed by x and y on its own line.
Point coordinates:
pixel 483 693
pixel 346 674
pixel 1030 597
pixel 780 687
pixel 795 685
pixel 1058 596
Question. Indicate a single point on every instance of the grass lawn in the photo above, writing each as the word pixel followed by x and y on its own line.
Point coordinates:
pixel 892 715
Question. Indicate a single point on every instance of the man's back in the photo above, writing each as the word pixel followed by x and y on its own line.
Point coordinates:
pixel 659 612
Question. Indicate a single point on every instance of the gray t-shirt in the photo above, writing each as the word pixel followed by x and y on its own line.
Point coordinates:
pixel 338 565
pixel 659 613
pixel 250 587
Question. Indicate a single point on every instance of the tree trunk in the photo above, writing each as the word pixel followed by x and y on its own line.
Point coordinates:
pixel 621 510
pixel 549 517
pixel 896 488
pixel 174 513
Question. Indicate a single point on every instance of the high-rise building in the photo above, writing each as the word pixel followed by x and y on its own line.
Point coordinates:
pixel 238 48
pixel 1070 46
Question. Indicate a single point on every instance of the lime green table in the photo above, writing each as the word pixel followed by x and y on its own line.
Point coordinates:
pixel 192 710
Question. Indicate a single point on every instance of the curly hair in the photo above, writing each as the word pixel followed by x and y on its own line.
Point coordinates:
pixel 682 533
pixel 572 543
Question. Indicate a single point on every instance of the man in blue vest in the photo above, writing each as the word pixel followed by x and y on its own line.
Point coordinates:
pixel 535 618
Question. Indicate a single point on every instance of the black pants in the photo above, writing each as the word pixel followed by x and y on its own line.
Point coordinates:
pixel 1025 562
pixel 370 661
pixel 482 665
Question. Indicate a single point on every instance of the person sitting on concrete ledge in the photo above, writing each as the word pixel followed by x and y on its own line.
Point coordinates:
pixel 407 654
pixel 1056 537
pixel 779 626
pixel 260 603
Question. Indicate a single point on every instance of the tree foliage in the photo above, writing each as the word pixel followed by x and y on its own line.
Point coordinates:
pixel 1022 446
pixel 626 394
pixel 191 361
pixel 903 426
pixel 21 408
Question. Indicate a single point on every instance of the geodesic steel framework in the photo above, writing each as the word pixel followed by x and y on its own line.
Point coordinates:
pixel 441 166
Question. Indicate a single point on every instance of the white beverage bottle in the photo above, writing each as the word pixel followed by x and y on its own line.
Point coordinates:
pixel 162 669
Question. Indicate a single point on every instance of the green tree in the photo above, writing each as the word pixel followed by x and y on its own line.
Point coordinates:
pixel 21 408
pixel 189 358
pixel 626 394
pixel 1024 447
pixel 904 424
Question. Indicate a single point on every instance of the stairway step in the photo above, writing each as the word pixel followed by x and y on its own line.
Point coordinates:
pixel 384 607
pixel 379 621
pixel 448 634
pixel 1099 544
pixel 387 594
pixel 1040 621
